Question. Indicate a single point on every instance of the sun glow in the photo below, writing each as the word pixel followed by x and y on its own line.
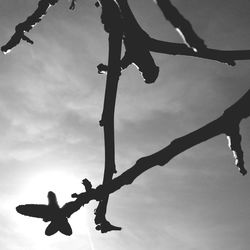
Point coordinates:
pixel 34 191
pixel 62 183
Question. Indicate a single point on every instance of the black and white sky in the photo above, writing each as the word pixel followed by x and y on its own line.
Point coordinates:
pixel 51 101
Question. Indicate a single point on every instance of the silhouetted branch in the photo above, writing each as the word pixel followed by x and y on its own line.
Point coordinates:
pixel 137 50
pixel 51 212
pixel 224 56
pixel 72 5
pixel 112 21
pixel 228 123
pixel 137 42
pixel 182 25
pixel 121 24
pixel 27 25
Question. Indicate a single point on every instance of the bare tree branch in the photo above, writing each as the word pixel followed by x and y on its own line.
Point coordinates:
pixel 112 21
pixel 138 43
pixel 228 123
pixel 182 25
pixel 137 50
pixel 224 56
pixel 27 25
pixel 121 24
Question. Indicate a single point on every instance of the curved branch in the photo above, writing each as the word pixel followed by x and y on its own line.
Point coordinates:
pixel 228 121
pixel 27 25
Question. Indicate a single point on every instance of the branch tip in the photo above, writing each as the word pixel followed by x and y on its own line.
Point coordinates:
pixel 107 227
pixel 234 143
pixel 87 184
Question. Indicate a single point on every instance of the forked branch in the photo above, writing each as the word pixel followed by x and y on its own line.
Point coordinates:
pixel 137 38
pixel 228 123
pixel 120 23
pixel 27 25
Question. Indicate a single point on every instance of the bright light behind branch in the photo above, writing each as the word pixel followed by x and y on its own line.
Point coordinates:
pixel 63 183
pixel 34 191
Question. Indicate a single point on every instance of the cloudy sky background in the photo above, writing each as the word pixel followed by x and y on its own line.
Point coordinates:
pixel 51 101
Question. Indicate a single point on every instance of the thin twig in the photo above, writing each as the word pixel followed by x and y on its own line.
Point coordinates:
pixel 112 21
pixel 224 56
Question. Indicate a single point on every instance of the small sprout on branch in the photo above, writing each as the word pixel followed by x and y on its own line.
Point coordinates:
pixel 102 68
pixel 87 184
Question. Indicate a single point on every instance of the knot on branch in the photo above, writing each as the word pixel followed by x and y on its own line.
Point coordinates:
pixel 102 68
pixel 138 53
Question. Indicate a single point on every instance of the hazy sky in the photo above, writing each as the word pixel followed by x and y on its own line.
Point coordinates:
pixel 51 101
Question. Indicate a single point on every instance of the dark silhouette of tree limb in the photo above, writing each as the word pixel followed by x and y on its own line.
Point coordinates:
pixel 51 212
pixel 122 26
pixel 182 25
pixel 137 50
pixel 27 25
pixel 141 39
pixel 228 124
pixel 113 25
pixel 224 56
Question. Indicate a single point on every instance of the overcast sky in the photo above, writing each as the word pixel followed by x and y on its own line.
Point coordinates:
pixel 51 101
